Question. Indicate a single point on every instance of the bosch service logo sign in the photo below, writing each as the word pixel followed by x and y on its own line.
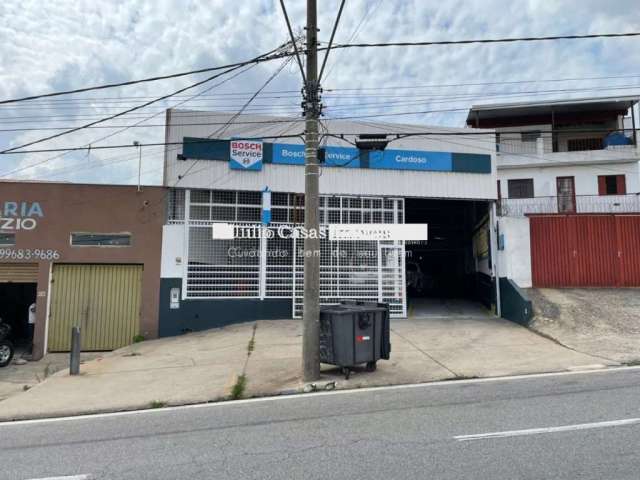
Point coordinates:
pixel 245 155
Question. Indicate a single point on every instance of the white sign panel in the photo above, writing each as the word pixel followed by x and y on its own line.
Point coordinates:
pixel 245 155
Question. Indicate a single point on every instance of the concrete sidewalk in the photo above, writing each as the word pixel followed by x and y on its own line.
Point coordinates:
pixel 202 367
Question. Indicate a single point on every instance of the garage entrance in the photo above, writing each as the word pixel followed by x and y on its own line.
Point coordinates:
pixel 18 286
pixel 104 300
pixel 585 250
pixel 449 275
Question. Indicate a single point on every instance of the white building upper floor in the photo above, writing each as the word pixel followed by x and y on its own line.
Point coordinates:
pixel 569 156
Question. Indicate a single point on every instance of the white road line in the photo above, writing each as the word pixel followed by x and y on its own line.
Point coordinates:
pixel 70 477
pixel 538 431
pixel 222 404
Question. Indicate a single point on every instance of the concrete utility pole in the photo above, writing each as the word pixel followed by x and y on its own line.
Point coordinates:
pixel 311 312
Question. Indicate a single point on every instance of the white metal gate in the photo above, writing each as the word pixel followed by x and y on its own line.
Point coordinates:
pixel 272 267
pixel 371 271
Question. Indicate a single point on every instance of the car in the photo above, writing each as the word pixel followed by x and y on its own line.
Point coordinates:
pixel 6 346
pixel 417 281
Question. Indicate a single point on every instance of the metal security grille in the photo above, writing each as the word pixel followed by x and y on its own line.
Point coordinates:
pixel 269 266
pixel 357 270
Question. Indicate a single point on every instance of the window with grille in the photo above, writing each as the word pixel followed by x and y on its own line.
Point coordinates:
pixel 7 239
pixel 520 188
pixel 100 239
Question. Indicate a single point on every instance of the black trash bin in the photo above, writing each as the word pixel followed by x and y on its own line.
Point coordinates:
pixel 354 333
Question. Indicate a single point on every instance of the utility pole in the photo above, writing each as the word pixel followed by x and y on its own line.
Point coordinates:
pixel 311 311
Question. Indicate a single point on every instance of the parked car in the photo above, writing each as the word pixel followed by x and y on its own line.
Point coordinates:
pixel 6 346
pixel 418 282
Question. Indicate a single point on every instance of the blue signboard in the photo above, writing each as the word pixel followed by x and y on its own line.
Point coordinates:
pixel 250 155
pixel 288 154
pixel 342 157
pixel 411 160
pixel 293 154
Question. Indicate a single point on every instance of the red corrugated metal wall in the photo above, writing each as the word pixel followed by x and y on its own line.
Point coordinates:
pixel 585 250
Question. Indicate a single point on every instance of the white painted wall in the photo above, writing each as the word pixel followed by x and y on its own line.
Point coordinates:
pixel 172 251
pixel 514 261
pixel 290 178
pixel 586 177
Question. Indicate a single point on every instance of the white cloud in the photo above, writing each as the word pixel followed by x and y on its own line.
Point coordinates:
pixel 54 45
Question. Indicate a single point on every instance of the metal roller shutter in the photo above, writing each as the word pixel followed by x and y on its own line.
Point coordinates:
pixel 18 272
pixel 104 300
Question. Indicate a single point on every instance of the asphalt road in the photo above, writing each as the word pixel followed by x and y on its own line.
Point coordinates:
pixel 583 426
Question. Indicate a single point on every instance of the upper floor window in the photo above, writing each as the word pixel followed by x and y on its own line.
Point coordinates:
pixel 532 136
pixel 101 239
pixel 611 185
pixel 520 188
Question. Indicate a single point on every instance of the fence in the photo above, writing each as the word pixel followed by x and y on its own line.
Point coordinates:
pixel 271 265
pixel 518 207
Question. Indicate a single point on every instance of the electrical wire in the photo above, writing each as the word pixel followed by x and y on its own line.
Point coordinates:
pixel 111 117
pixel 333 33
pixel 479 41
pixel 270 56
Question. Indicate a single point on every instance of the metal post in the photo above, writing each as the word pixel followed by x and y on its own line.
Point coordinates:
pixel 74 357
pixel 137 144
pixel 633 125
pixel 311 308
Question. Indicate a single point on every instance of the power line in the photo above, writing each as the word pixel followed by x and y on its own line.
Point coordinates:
pixel 333 33
pixel 489 40
pixel 136 125
pixel 354 34
pixel 154 144
pixel 111 117
pixel 153 79
pixel 293 40
pixel 267 93
pixel 342 136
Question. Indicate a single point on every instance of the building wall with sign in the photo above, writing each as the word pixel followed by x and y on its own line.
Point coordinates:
pixel 217 164
pixel 453 166
pixel 46 224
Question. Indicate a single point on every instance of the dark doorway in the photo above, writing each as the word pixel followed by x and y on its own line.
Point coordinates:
pixel 445 266
pixel 15 299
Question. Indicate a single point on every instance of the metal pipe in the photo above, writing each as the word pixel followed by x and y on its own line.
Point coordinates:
pixel 74 357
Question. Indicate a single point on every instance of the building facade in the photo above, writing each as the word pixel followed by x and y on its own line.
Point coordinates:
pixel 432 177
pixel 87 256
pixel 566 158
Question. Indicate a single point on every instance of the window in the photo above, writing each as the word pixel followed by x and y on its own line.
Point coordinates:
pixel 101 239
pixel 7 239
pixel 532 136
pixel 582 144
pixel 520 188
pixel 611 185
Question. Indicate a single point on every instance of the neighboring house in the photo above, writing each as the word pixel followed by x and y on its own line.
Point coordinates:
pixel 87 256
pixel 568 186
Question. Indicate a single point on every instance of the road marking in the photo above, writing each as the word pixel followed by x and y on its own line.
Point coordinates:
pixel 221 404
pixel 593 366
pixel 538 431
pixel 70 477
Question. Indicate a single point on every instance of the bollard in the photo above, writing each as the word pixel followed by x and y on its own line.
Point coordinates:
pixel 74 358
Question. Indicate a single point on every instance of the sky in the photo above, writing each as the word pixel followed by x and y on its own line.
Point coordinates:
pixel 67 44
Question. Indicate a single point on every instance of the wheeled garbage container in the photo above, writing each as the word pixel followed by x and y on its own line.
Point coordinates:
pixel 354 333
